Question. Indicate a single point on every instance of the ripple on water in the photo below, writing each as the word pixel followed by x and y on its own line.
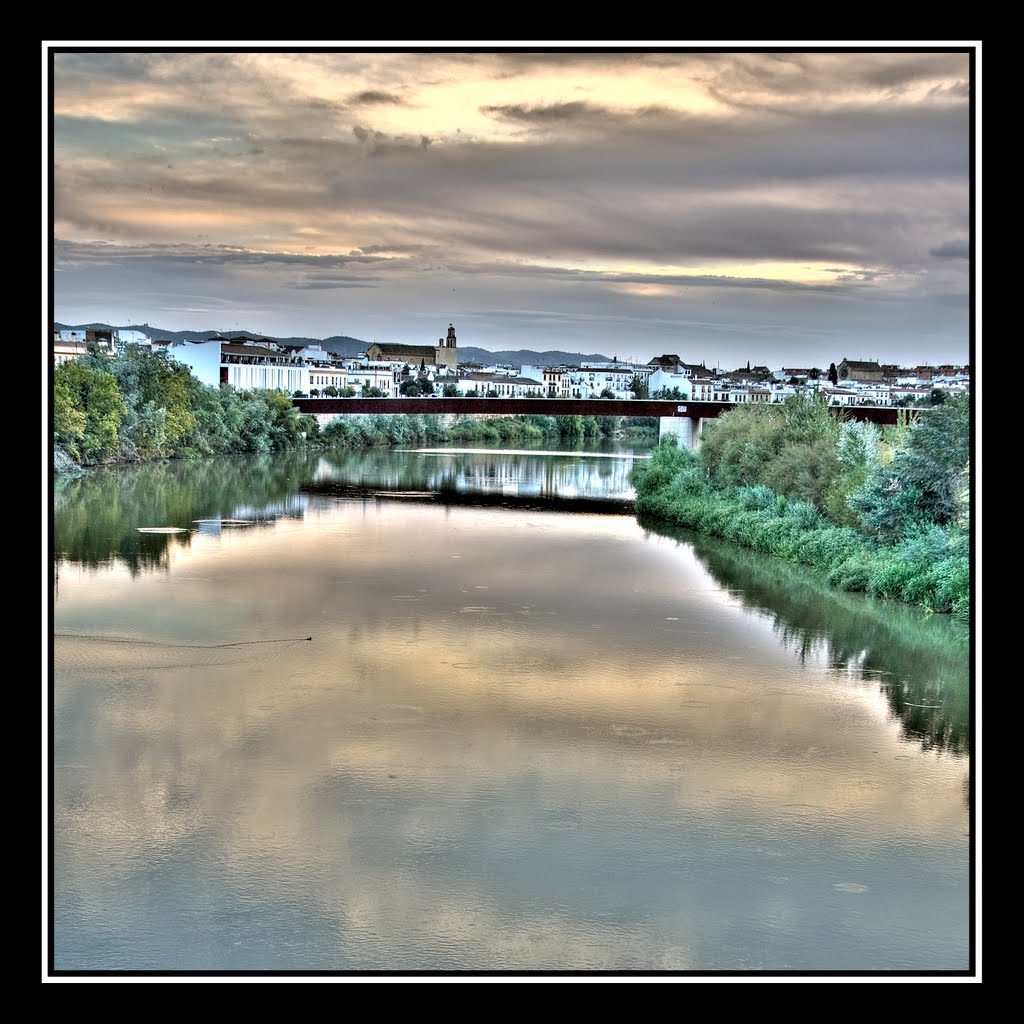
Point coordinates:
pixel 119 653
pixel 628 730
pixel 399 714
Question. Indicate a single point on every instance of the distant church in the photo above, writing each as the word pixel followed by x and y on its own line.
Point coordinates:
pixel 860 370
pixel 443 354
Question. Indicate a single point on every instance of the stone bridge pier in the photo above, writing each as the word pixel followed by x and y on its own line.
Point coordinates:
pixel 686 429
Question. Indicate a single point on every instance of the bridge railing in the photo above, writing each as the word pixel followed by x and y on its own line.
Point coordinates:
pixel 646 407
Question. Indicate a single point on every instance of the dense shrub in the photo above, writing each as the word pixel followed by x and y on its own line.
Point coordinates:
pixel 927 480
pixel 853 573
pixel 791 448
pixel 887 543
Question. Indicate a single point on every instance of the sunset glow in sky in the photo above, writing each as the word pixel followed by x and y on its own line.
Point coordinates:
pixel 790 207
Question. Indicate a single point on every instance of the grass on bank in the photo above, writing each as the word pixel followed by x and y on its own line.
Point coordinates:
pixel 929 567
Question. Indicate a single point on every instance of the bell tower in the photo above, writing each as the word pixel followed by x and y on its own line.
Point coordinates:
pixel 446 353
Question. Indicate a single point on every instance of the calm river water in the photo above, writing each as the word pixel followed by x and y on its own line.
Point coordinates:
pixel 458 711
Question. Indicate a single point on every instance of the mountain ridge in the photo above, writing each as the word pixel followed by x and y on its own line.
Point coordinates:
pixel 343 345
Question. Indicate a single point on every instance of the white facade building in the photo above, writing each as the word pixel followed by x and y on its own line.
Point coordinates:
pixel 321 377
pixel 129 336
pixel 245 366
pixel 612 377
pixel 386 376
pixel 660 380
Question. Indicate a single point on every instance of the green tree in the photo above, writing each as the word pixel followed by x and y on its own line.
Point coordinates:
pixel 639 386
pixel 216 425
pixel 89 411
pixel 270 421
pixel 68 413
pixel 159 392
pixel 790 448
pixel 924 483
pixel 571 428
pixel 450 390
pixel 859 451
pixel 833 374
pixel 607 393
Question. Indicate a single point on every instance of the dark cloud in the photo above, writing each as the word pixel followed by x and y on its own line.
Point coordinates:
pixel 957 249
pixel 903 71
pixel 961 90
pixel 365 282
pixel 69 253
pixel 552 112
pixel 767 81
pixel 372 96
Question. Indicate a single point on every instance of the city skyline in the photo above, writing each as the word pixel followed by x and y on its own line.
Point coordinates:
pixel 764 205
pixel 154 333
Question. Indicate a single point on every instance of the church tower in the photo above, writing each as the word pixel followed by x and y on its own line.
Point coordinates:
pixel 446 350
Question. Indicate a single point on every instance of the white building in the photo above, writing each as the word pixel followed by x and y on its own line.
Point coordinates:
pixel 614 377
pixel 244 364
pixel 73 344
pixel 702 389
pixel 129 336
pixel 385 376
pixel 661 380
pixel 327 376
pixel 554 380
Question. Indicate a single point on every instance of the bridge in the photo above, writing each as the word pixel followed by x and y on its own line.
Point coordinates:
pixel 680 417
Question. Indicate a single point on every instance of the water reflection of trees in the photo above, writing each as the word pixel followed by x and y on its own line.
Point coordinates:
pixel 97 515
pixel 923 662
pixel 543 475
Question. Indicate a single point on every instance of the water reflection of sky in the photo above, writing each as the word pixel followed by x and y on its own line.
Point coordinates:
pixel 515 741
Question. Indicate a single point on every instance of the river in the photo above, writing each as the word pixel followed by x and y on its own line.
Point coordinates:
pixel 458 712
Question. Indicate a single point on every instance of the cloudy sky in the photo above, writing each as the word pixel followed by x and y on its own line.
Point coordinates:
pixel 790 207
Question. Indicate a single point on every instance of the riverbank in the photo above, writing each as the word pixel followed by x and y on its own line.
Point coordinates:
pixel 387 430
pixel 930 569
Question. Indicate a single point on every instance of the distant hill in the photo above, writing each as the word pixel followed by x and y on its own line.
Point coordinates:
pixel 343 345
